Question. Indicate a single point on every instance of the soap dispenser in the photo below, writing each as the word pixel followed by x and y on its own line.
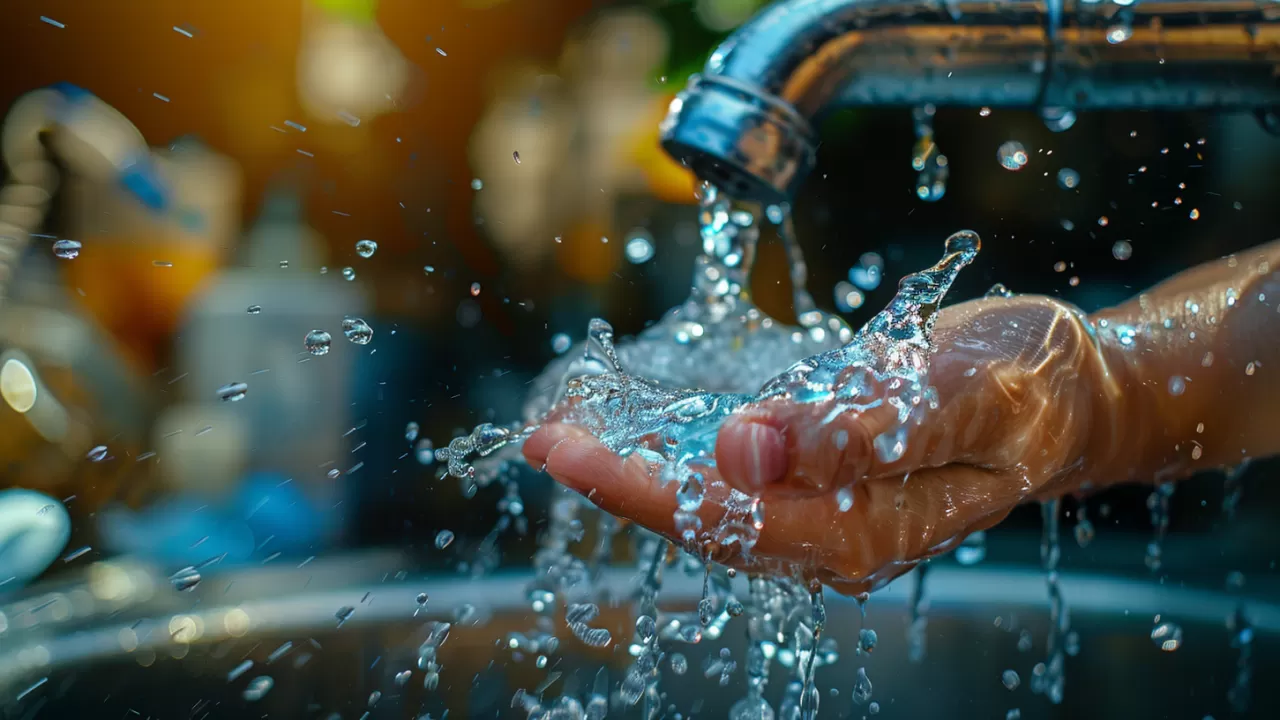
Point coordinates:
pixel 282 423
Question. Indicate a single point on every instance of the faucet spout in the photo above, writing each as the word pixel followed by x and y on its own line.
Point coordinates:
pixel 746 122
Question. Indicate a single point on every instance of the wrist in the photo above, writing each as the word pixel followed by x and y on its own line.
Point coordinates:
pixel 1118 445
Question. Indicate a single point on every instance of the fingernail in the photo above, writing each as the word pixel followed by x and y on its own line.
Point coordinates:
pixel 756 454
pixel 539 445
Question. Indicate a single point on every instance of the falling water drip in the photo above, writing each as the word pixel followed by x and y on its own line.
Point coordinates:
pixel 1232 489
pixel 1158 504
pixel 926 159
pixel 705 605
pixel 809 695
pixel 1084 530
pixel 862 687
pixel 801 301
pixel 867 638
pixel 759 653
pixel 919 620
pixel 1049 677
pixel 642 678
pixel 1242 640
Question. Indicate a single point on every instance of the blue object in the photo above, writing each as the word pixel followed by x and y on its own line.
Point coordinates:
pixel 34 528
pixel 140 178
pixel 180 531
pixel 276 508
pixel 74 93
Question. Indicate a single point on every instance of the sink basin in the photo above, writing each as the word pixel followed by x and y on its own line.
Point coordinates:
pixel 122 641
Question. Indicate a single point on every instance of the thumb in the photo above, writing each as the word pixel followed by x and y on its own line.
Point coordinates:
pixel 998 370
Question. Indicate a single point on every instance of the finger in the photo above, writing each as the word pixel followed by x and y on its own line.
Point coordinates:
pixel 893 523
pixel 796 531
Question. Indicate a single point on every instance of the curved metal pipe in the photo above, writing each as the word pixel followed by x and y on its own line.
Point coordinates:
pixel 746 123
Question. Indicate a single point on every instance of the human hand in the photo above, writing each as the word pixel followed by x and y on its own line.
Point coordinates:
pixel 1021 389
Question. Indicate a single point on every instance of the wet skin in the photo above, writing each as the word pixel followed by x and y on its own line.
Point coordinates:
pixel 1036 400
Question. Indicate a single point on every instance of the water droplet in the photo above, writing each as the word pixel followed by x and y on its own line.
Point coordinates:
pixel 475 289
pixel 984 112
pixel 254 309
pixel 560 343
pixel 233 392
pixel 422 598
pixel 890 446
pixel 317 342
pixel 185 579
pixel 1194 214
pixel 443 538
pixel 344 614
pixel 973 550
pixel 593 637
pixel 1014 714
pixel 862 687
pixel 679 664
pixel 844 498
pixel 1117 34
pixel 1012 156
pixel 428 269
pixel 258 688
pixel 424 452
pixel 515 155
pixel 1084 530
pixel 1122 250
pixel 1167 636
pixel 867 640
pixel 581 613
pixel 639 248
pixel 866 277
pixel 366 248
pixel 1010 679
pixel 411 431
pixel 348 274
pixel 1104 221
pixel 1058 119
pixel 333 473
pixel 67 249
pixel 477 184
pixel 97 454
pixel 1068 179
pixel 1177 385
pixel 357 330
pixel 402 677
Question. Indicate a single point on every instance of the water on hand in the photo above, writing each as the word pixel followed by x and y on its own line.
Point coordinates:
pixel 664 395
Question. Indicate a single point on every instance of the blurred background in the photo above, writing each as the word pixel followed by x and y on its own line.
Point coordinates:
pixel 502 156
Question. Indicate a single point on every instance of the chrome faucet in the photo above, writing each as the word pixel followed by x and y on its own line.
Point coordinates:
pixel 746 122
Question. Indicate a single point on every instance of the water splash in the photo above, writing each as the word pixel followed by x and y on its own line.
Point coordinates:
pixel 631 395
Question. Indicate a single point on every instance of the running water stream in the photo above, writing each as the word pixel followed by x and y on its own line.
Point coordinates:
pixel 663 395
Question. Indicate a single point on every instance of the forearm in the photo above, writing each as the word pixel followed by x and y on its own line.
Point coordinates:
pixel 1189 372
